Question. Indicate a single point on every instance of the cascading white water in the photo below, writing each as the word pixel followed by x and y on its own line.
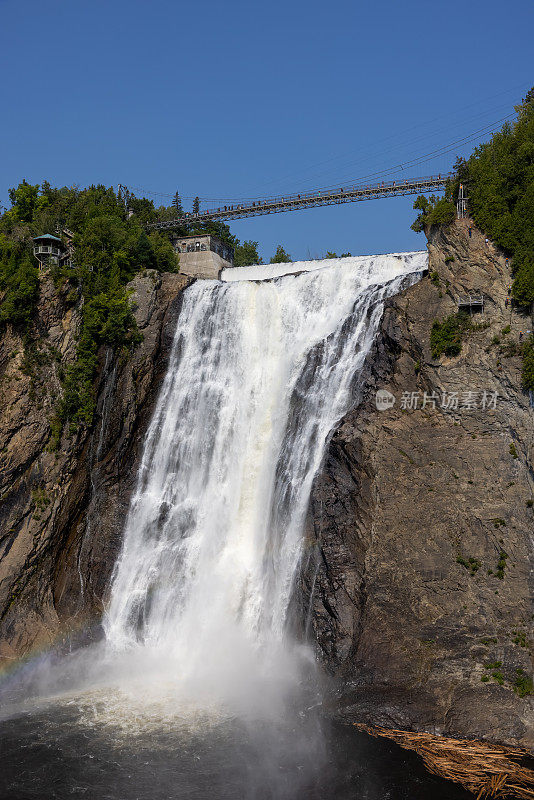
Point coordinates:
pixel 259 374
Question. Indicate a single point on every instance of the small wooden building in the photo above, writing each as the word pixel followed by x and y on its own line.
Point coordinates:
pixel 47 249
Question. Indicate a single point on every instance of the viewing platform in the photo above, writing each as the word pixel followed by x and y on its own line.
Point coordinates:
pixel 472 303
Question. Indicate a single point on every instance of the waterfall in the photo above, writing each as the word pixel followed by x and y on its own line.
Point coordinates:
pixel 258 376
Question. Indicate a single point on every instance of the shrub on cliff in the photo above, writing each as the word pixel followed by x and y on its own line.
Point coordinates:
pixel 107 319
pixel 446 336
pixel 433 211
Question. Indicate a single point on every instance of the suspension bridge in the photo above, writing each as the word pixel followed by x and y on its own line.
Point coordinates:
pixel 320 197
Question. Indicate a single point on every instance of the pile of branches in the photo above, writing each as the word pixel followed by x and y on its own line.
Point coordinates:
pixel 486 770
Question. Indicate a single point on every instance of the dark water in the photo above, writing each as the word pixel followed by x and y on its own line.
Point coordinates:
pixel 52 753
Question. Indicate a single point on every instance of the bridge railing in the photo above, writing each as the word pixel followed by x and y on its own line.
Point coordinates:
pixel 320 197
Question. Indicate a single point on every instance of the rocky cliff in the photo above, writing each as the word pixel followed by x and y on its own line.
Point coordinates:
pixel 422 517
pixel 420 524
pixel 62 512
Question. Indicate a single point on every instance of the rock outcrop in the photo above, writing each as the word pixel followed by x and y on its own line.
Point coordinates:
pixel 62 513
pixel 422 517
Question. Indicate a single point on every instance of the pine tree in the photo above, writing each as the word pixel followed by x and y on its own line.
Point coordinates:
pixel 177 203
pixel 280 257
pixel 196 205
pixel 246 254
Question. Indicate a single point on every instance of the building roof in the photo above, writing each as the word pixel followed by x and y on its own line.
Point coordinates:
pixel 198 236
pixel 47 236
pixel 195 236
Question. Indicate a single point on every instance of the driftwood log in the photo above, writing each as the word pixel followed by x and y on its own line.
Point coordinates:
pixel 487 770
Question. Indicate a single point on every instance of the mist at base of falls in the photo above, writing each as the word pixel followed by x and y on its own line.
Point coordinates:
pixel 199 688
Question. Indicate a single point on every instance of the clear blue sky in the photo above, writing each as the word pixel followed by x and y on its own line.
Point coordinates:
pixel 237 99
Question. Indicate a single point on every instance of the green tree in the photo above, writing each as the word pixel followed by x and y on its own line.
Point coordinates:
pixel 143 209
pixel 196 206
pixel 246 254
pixel 177 205
pixel 527 102
pixel 421 204
pixel 164 255
pixel 280 257
pixel 461 169
pixel 527 376
pixel 434 211
pixel 24 199
pixel 523 285
pixel 20 281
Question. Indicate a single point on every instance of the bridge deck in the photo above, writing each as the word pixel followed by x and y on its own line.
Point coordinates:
pixel 277 205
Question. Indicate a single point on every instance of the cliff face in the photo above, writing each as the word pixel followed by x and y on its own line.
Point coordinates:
pixel 423 521
pixel 62 513
pixel 421 518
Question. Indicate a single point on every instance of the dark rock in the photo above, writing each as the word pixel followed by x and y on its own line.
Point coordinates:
pixel 62 514
pixel 404 627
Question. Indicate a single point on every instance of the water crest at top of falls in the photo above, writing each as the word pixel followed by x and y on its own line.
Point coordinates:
pixel 262 272
pixel 259 374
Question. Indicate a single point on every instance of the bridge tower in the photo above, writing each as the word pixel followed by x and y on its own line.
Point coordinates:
pixel 461 205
